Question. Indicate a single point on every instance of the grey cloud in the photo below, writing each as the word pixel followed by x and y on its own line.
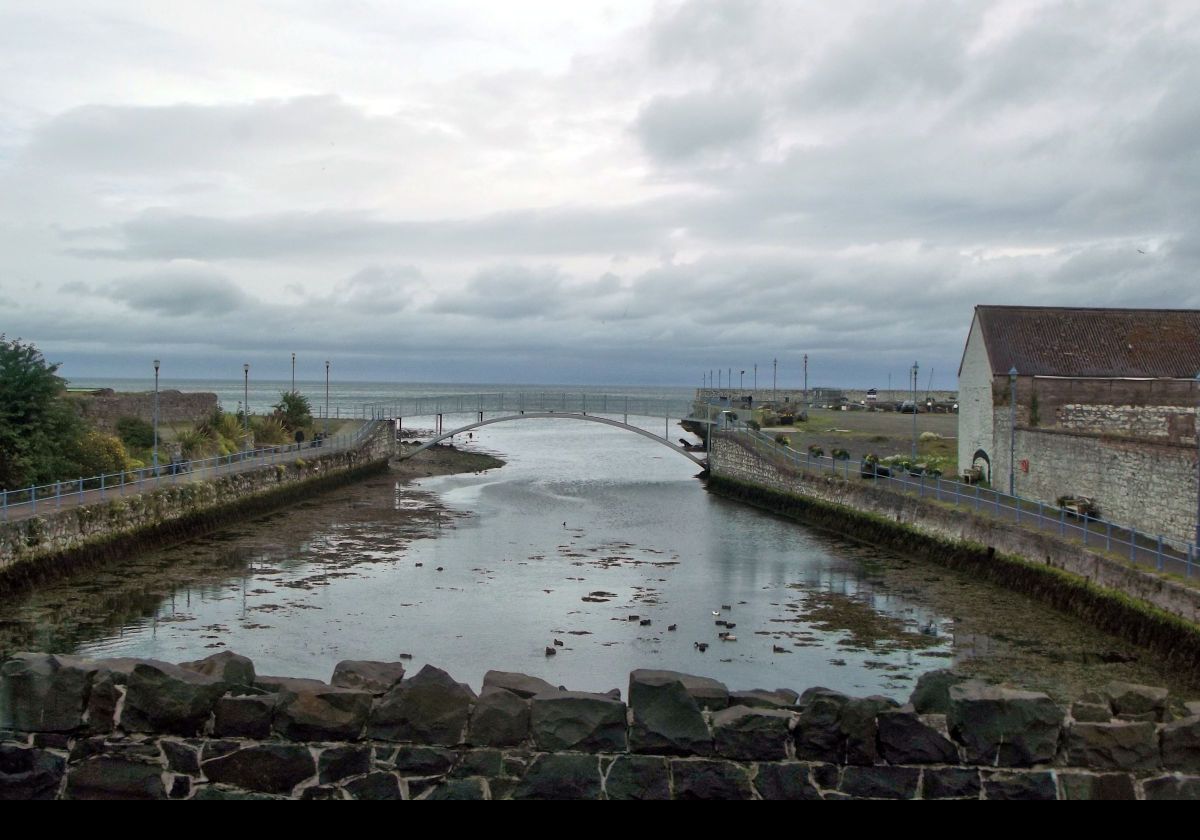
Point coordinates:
pixel 176 294
pixel 379 290
pixel 137 140
pixel 684 126
pixel 162 234
pixel 507 293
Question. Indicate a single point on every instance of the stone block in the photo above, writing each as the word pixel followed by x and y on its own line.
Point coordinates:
pixel 1181 745
pixel 761 698
pixel 638 777
pixel 709 779
pixel 561 776
pixel 666 718
pixel 951 783
pixel 1096 785
pixel 245 717
pixel 1172 788
pixel 342 762
pixel 365 675
pixel 329 714
pixel 880 782
pixel 429 708
pixel 1135 699
pixel 708 693
pixel 113 778
pixel 906 738
pixel 570 720
pixel 374 786
pixel 787 781
pixel 424 761
pixel 521 685
pixel 265 768
pixel 500 719
pixel 226 666
pixel 1037 785
pixel 1113 746
pixel 28 773
pixel 41 692
pixel 1004 727
pixel 165 698
pixel 747 734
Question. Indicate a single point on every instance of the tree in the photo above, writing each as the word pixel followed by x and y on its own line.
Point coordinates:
pixel 38 429
pixel 294 411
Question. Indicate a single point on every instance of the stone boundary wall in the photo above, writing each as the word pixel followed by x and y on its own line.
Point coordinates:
pixel 1145 609
pixel 104 408
pixel 1149 485
pixel 38 546
pixel 72 728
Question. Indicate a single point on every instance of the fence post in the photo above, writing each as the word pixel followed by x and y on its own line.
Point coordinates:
pixel 1108 535
pixel 976 497
pixel 1040 515
pixel 35 498
pixel 1062 522
pixel 102 486
pixel 1132 547
pixel 58 495
pixel 1160 557
pixel 1085 527
pixel 921 486
pixel 1017 505
pixel 4 502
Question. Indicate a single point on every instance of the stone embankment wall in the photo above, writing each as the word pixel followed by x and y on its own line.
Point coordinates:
pixel 1138 606
pixel 104 408
pixel 213 729
pixel 42 545
pixel 1128 444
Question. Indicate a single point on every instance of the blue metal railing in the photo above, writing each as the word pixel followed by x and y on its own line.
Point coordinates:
pixel 129 482
pixel 1149 550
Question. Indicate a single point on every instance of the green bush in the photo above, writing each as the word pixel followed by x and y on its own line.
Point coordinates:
pixel 783 440
pixel 135 433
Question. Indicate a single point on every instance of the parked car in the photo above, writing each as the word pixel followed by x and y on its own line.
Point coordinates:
pixel 909 407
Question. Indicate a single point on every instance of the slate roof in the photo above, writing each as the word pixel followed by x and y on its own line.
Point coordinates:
pixel 1078 342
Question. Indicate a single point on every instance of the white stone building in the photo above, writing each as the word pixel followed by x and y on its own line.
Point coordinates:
pixel 1106 408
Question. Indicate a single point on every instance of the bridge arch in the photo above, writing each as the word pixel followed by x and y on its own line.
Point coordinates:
pixel 551 415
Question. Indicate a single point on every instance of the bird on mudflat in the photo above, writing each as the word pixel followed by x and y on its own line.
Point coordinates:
pixel 671 627
pixel 558 643
pixel 551 651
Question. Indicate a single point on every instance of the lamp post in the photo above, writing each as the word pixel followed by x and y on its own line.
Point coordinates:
pixel 742 381
pixel 1012 430
pixel 293 373
pixel 246 400
pixel 774 380
pixel 915 369
pixel 326 398
pixel 155 459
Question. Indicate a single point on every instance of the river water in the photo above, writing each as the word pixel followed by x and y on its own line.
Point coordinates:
pixel 583 529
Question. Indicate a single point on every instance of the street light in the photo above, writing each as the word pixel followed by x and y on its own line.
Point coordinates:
pixel 326 398
pixel 246 401
pixel 742 381
pixel 915 369
pixel 155 459
pixel 293 373
pixel 1012 430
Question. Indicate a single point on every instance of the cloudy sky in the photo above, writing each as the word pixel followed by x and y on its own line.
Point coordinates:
pixel 598 193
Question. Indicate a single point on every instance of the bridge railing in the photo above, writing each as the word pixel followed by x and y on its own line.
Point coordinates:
pixel 515 403
pixel 53 496
pixel 1152 551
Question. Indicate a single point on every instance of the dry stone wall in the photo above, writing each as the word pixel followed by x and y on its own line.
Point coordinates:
pixel 104 408
pixel 74 728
